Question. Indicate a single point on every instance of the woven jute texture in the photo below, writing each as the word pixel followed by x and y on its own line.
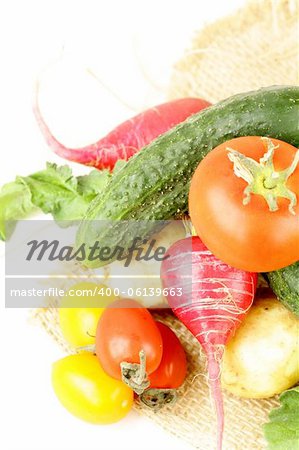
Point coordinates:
pixel 258 46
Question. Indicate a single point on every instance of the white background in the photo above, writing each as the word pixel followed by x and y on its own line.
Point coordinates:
pixel 129 47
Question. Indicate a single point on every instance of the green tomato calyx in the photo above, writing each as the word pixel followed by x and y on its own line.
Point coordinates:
pixel 262 178
pixel 156 399
pixel 134 375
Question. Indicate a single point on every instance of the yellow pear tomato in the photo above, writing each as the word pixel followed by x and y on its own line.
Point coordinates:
pixel 87 392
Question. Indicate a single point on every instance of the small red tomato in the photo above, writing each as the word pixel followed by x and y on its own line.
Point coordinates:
pixel 172 370
pixel 127 336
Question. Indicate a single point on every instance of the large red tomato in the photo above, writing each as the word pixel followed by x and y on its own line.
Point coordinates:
pixel 244 203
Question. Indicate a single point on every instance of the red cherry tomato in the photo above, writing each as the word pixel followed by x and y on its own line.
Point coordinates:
pixel 124 330
pixel 172 370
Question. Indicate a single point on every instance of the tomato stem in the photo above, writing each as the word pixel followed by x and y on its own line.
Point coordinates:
pixel 189 228
pixel 134 375
pixel 187 225
pixel 155 399
pixel 262 178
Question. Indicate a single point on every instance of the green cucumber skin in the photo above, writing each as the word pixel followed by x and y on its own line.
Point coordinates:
pixel 285 284
pixel 154 184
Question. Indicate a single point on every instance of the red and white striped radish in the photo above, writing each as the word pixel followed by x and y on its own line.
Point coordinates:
pixel 211 299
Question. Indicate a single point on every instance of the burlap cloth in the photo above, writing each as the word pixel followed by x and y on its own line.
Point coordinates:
pixel 257 46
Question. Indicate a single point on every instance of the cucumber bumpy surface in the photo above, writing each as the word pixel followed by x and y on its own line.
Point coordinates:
pixel 154 184
pixel 285 283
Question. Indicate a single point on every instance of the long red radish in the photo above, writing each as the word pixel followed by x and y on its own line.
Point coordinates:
pixel 211 299
pixel 126 139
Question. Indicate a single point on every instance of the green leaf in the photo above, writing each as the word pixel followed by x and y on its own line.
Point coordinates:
pixel 282 432
pixel 93 183
pixel 54 190
pixel 119 165
pixel 15 203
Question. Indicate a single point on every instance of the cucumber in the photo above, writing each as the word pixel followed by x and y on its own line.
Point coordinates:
pixel 285 283
pixel 154 184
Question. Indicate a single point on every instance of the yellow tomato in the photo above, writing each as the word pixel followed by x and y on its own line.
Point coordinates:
pixel 87 392
pixel 79 324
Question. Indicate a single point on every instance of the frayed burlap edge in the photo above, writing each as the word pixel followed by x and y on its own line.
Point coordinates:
pixel 257 46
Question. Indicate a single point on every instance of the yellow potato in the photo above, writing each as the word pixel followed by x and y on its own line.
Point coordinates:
pixel 262 359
